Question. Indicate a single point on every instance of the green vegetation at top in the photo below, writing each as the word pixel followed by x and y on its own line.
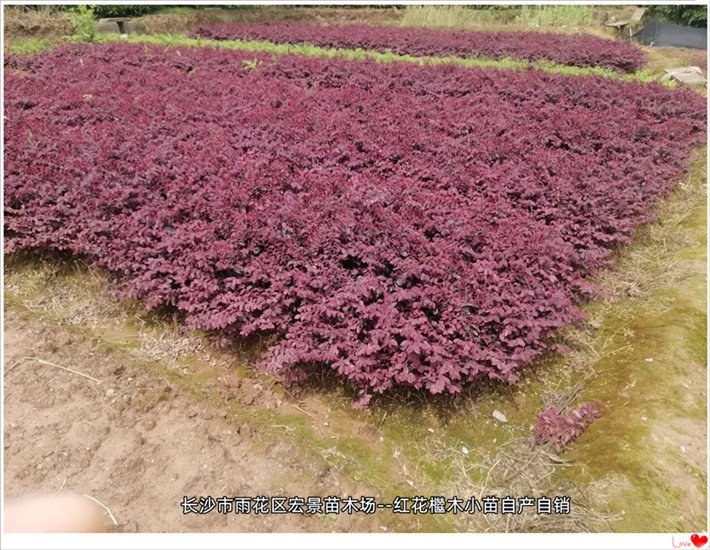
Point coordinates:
pixel 138 10
pixel 27 46
pixel 691 16
pixel 490 17
pixel 573 17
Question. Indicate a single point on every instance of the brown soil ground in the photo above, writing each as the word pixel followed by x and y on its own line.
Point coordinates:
pixel 138 443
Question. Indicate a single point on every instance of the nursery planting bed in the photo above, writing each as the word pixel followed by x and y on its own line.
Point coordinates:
pixel 578 50
pixel 405 225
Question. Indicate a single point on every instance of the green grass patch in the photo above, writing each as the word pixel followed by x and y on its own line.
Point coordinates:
pixel 556 16
pixel 27 46
pixel 495 17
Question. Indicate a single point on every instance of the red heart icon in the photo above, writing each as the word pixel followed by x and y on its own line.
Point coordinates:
pixel 699 541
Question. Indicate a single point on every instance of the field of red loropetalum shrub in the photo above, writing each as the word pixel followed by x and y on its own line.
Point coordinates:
pixel 408 226
pixel 578 50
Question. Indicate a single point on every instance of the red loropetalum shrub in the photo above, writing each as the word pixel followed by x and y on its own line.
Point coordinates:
pixel 407 226
pixel 556 430
pixel 579 50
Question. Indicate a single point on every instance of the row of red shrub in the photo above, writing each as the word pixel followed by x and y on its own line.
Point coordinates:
pixel 579 50
pixel 405 225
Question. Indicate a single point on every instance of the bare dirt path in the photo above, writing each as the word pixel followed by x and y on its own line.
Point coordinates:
pixel 138 443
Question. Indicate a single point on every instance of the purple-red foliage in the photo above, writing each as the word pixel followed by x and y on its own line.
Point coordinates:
pixel 579 50
pixel 405 225
pixel 17 62
pixel 557 431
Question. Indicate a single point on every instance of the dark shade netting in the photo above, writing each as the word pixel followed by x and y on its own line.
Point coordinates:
pixel 660 35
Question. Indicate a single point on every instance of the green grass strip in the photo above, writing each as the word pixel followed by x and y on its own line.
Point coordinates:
pixel 381 57
pixel 27 46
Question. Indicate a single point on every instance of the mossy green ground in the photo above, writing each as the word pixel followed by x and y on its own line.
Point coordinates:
pixel 656 381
